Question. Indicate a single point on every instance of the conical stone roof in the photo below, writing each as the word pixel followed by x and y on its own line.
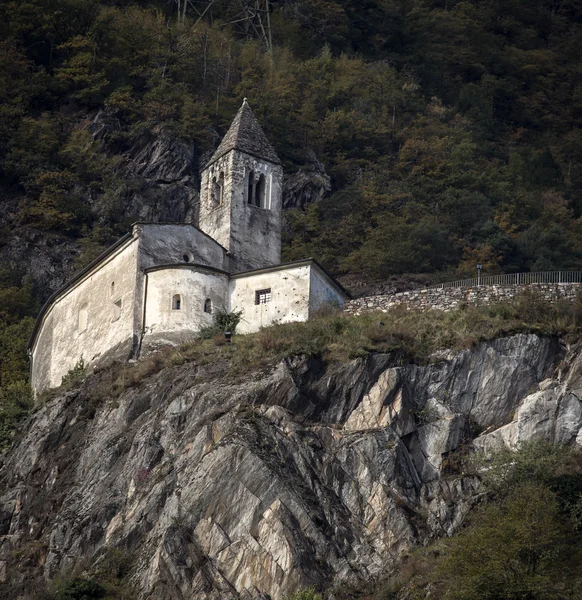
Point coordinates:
pixel 245 134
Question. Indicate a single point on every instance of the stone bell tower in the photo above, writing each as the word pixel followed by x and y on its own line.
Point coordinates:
pixel 241 195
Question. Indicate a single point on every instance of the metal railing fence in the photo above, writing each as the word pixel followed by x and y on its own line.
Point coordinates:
pixel 515 279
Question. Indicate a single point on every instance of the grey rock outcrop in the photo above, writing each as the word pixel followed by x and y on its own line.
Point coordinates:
pixel 252 487
pixel 307 185
pixel 160 173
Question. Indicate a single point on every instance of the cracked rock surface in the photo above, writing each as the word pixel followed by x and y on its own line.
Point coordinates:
pixel 251 488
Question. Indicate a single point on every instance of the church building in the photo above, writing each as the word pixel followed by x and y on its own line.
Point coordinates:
pixel 162 282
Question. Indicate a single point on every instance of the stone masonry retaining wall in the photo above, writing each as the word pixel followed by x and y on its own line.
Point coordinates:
pixel 449 298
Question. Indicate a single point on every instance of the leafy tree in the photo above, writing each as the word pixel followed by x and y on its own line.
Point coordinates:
pixel 514 549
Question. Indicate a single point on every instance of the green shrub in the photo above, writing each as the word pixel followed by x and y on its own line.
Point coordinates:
pixel 522 539
pixel 305 594
pixel 74 374
pixel 535 460
pixel 16 401
pixel 223 321
pixel 519 547
pixel 80 589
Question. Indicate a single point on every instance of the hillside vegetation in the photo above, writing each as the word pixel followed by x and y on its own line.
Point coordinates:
pixel 450 128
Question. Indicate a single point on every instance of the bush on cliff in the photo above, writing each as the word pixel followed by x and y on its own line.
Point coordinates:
pixel 519 547
pixel 223 321
pixel 306 594
pixel 522 541
pixel 80 589
pixel 16 402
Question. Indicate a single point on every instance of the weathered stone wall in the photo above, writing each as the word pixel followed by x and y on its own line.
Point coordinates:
pixel 251 234
pixel 449 298
pixel 255 232
pixel 89 319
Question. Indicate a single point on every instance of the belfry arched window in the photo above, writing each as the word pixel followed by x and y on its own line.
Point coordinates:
pixel 217 190
pixel 251 188
pixel 176 302
pixel 260 191
pixel 257 190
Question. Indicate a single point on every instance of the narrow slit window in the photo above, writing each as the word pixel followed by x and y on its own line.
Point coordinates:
pixel 263 296
pixel 83 319
pixel 177 302
pixel 208 306
pixel 113 288
pixel 216 191
pixel 220 189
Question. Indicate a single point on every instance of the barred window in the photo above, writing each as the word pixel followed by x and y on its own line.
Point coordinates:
pixel 263 296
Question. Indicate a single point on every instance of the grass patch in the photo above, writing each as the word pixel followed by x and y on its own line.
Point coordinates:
pixel 412 336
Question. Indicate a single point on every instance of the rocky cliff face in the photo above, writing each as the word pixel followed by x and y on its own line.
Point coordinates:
pixel 303 474
pixel 306 186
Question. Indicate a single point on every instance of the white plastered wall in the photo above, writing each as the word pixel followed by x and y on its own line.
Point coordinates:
pixel 322 292
pixel 289 297
pixel 60 342
pixel 163 323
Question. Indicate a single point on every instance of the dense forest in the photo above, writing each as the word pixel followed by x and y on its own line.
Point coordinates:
pixel 450 131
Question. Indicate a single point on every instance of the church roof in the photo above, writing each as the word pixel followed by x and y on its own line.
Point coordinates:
pixel 245 134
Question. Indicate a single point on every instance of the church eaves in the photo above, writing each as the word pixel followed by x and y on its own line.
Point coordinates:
pixel 245 134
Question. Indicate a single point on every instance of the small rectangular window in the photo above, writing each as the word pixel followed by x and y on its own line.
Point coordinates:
pixel 263 296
